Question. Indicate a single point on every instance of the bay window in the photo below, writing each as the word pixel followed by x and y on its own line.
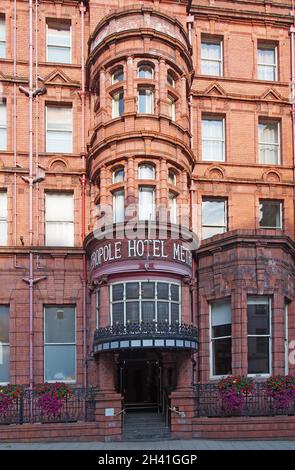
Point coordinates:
pixel 259 335
pixel 146 210
pixel 117 104
pixel 269 142
pixel 60 344
pixel 59 41
pixel 3 218
pixel 59 219
pixel 4 345
pixel 221 337
pixel 145 301
pixel 118 206
pixel 59 129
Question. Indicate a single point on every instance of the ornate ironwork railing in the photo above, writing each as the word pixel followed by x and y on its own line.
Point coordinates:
pixel 79 405
pixel 145 334
pixel 211 403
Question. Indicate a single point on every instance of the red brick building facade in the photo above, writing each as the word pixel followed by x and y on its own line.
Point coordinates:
pixel 146 203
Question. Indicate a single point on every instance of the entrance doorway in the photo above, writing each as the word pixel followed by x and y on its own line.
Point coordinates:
pixel 140 381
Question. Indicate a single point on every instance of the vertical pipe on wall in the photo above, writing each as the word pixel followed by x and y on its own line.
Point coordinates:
pixel 14 132
pixel 36 121
pixel 292 32
pixel 83 190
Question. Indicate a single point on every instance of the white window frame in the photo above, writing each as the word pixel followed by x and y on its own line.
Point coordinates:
pixel 260 46
pixel 4 220
pixel 140 299
pixel 58 129
pixel 280 203
pixel 211 340
pixel 59 344
pixel 172 207
pixel 152 100
pixel 222 140
pixel 267 336
pixel 215 41
pixel 63 47
pixel 278 145
pixel 172 107
pixel 114 207
pixel 225 200
pixel 7 344
pixel 116 103
pixel 3 42
pixel 121 168
pixel 153 190
pixel 147 66
pixel 48 193
pixel 4 125
pixel 149 165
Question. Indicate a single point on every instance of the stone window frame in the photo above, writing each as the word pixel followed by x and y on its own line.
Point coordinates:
pixel 268 44
pixel 211 339
pixel 63 22
pixel 212 39
pixel 281 212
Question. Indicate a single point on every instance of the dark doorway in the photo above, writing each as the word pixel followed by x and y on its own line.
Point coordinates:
pixel 140 382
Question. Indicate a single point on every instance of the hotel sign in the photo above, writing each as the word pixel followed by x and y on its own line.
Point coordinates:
pixel 112 251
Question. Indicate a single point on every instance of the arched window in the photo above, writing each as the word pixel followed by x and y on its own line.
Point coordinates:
pixel 172 107
pixel 170 80
pixel 118 75
pixel 171 177
pixel 145 71
pixel 118 175
pixel 146 171
pixel 117 104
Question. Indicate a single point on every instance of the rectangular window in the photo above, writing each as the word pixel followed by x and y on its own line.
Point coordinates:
pixel 3 218
pixel 269 142
pixel 145 301
pixel 173 207
pixel 118 104
pixel 60 344
pixel 59 42
pixel 59 129
pixel 211 57
pixel 146 210
pixel 145 101
pixel 259 335
pixel 270 214
pixel 267 61
pixel 118 206
pixel 2 38
pixel 3 126
pixel 213 139
pixel 214 216
pixel 59 219
pixel 221 342
pixel 4 344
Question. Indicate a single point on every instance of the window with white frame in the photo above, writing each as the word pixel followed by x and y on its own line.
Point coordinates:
pixel 214 216
pixel 118 206
pixel 269 142
pixel 270 214
pixel 146 209
pixel 59 219
pixel 172 107
pixel 59 129
pixel 2 38
pixel 267 61
pixel 118 75
pixel 59 42
pixel 3 126
pixel 221 337
pixel 117 103
pixel 4 345
pixel 3 218
pixel 60 344
pixel 145 301
pixel 211 56
pixel 213 139
pixel 173 207
pixel 145 100
pixel 259 335
pixel 145 71
pixel 146 171
pixel 118 175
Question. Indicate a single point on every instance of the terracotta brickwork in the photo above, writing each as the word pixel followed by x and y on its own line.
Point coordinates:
pixel 165 36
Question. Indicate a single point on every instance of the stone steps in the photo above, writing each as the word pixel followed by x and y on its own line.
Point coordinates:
pixel 145 426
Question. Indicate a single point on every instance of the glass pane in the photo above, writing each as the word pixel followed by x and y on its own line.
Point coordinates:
pixel 258 319
pixel 2 50
pixel 222 357
pixel 60 363
pixel 59 118
pixel 146 172
pixel 59 207
pixel 258 355
pixel 59 35
pixel 163 290
pixel 3 205
pixel 269 154
pixel 117 291
pixel 210 50
pixel 4 363
pixel 174 292
pixel 174 313
pixel 2 28
pixel 148 311
pixel 59 141
pixel 3 139
pixel 270 214
pixel 211 231
pixel 4 324
pixel 132 312
pixel 267 56
pixel 59 234
pixel 3 233
pixel 3 117
pixel 118 76
pixel 221 330
pixel 118 175
pixel 148 290
pixel 60 324
pixel 213 212
pixel 58 54
pixel 145 71
pixel 132 290
pixel 146 204
pixel 267 72
pixel 163 311
pixel 211 68
pixel 145 101
pixel 268 133
pixel 118 206
pixel 221 313
pixel 118 313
